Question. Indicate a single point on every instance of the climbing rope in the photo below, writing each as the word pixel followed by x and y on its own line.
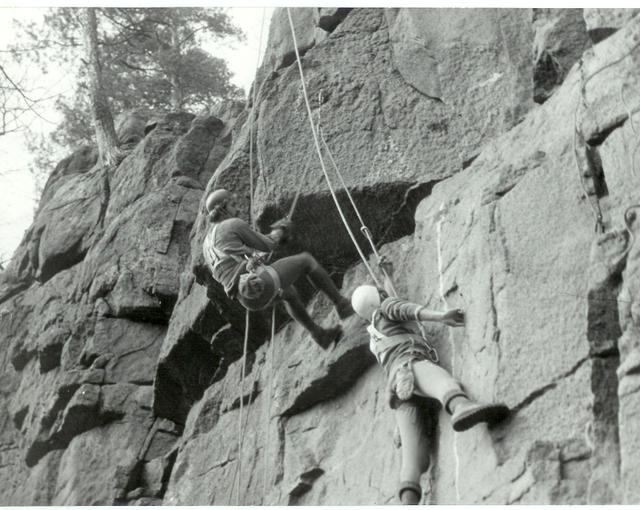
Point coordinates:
pixel 319 151
pixel 584 81
pixel 299 191
pixel 578 136
pixel 451 341
pixel 367 233
pixel 633 128
pixel 252 219
pixel 627 224
pixel 363 228
pixel 244 428
pixel 269 357
pixel 267 416
pixel 251 122
pixel 240 427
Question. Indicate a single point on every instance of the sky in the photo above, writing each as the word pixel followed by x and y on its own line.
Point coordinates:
pixel 17 188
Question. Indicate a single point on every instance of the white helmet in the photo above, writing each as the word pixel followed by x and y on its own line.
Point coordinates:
pixel 218 197
pixel 365 300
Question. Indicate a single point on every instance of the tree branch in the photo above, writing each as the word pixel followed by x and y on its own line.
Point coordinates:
pixel 27 100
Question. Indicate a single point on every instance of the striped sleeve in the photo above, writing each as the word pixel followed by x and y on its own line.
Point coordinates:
pixel 397 309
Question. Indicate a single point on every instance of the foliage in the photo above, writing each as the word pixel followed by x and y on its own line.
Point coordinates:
pixel 151 58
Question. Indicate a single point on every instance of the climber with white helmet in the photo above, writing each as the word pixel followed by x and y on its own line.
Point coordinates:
pixel 412 374
pixel 230 252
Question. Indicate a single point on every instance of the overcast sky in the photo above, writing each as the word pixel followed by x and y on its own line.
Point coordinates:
pixel 17 193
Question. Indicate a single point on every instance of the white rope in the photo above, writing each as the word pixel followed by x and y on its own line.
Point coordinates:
pixel 252 220
pixel 300 186
pixel 267 417
pixel 451 341
pixel 240 427
pixel 594 204
pixel 319 151
pixel 251 122
pixel 363 228
pixel 633 128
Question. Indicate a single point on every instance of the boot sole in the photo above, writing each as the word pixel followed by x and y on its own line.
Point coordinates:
pixel 490 414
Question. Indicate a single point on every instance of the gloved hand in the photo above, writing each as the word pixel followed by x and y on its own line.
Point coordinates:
pixel 285 225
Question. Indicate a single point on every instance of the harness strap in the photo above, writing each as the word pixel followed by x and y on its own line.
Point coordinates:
pixel 383 342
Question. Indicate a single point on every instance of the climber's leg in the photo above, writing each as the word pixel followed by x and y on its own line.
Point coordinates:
pixel 296 309
pixel 291 269
pixel 434 381
pixel 415 451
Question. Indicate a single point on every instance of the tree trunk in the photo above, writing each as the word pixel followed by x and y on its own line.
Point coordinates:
pixel 102 118
pixel 177 96
pixel 176 93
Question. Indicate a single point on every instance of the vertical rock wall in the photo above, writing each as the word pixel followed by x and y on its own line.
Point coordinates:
pixel 123 358
pixel 100 272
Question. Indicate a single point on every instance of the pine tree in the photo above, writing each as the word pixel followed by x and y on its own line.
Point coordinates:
pixel 151 58
pixel 102 119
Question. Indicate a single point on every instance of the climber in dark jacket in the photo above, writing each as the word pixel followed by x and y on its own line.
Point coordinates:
pixel 230 252
pixel 412 370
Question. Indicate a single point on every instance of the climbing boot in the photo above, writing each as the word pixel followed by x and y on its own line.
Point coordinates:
pixel 409 493
pixel 325 337
pixel 468 414
pixel 344 308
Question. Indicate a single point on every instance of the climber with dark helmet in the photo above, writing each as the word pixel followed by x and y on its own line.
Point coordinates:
pixel 230 252
pixel 413 374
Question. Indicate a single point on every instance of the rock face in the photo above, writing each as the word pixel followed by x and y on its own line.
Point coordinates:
pixel 123 359
pixel 560 39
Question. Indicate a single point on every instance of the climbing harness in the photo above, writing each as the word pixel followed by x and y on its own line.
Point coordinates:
pixel 254 260
pixel 379 342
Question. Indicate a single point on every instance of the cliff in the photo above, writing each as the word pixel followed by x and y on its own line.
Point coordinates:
pixel 480 146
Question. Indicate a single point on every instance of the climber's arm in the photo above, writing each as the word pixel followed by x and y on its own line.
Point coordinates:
pixel 400 310
pixel 256 240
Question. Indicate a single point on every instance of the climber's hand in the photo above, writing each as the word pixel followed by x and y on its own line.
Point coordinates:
pixel 282 230
pixel 254 262
pixel 453 317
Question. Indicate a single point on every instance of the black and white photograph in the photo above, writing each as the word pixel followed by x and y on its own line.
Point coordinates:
pixel 282 254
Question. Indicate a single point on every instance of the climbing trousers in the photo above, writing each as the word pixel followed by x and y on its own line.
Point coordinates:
pixel 415 422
